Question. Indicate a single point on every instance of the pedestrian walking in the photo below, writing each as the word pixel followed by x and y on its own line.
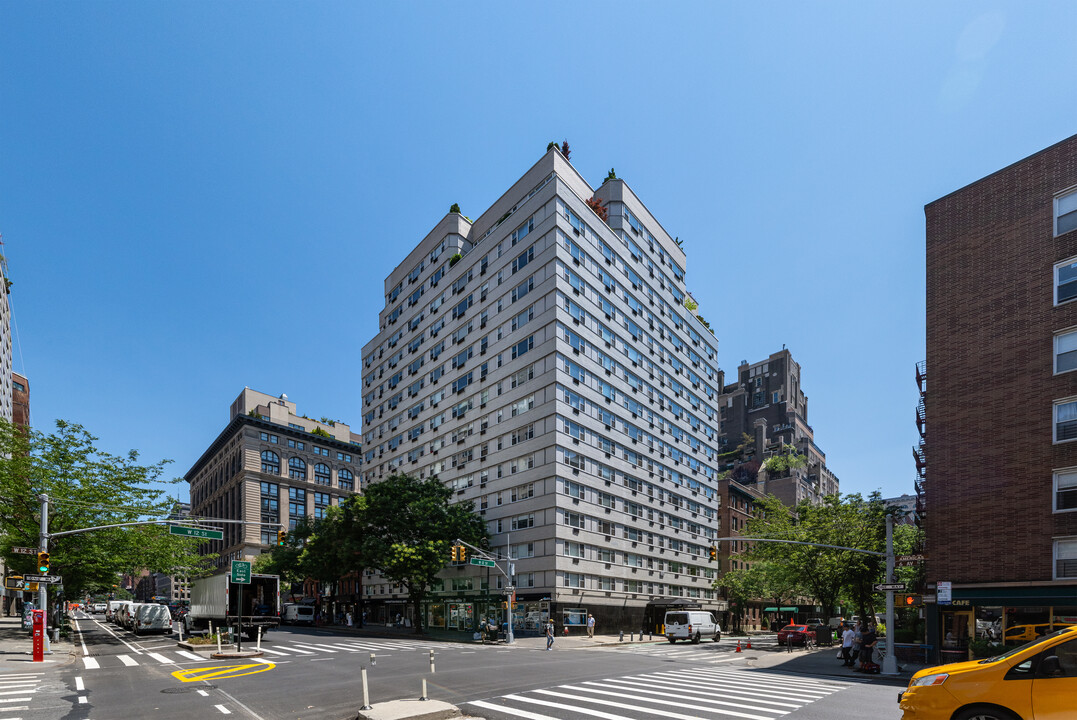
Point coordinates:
pixel 348 618
pixel 847 638
pixel 591 626
pixel 867 647
pixel 549 634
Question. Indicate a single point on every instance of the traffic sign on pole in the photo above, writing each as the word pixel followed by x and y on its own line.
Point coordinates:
pixel 482 562
pixel 24 551
pixel 44 579
pixel 195 532
pixel 241 572
pixel 883 587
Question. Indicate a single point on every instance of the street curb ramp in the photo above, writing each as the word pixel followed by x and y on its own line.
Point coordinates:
pixel 410 710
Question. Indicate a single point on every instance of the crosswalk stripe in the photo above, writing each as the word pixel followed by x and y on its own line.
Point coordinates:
pixel 763 679
pixel 562 706
pixel 746 687
pixel 273 652
pixel 7 700
pixel 20 676
pixel 127 660
pixel 23 691
pixel 511 711
pixel 191 656
pixel 161 659
pixel 348 648
pixel 263 661
pixel 320 648
pixel 297 650
pixel 664 688
pixel 91 664
pixel 19 683
pixel 663 711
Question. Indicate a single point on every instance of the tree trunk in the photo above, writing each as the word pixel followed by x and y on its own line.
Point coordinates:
pixel 417 601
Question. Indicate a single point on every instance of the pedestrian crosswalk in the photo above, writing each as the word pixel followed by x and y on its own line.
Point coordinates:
pixel 703 693
pixel 17 693
pixel 721 652
pixel 279 649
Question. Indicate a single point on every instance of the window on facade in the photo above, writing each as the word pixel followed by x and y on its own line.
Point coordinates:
pixel 297 506
pixel 321 474
pixel 1066 558
pixel 270 462
pixel 1065 489
pixel 298 445
pixel 297 469
pixel 266 437
pixel 1066 351
pixel 270 497
pixel 321 502
pixel 1065 281
pixel 1066 421
pixel 1066 213
pixel 345 479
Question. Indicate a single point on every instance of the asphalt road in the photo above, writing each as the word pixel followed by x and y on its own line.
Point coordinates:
pixel 314 674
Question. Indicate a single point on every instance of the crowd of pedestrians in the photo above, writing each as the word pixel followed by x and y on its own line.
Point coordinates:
pixel 858 643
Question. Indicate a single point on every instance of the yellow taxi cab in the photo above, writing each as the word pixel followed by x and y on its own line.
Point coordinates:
pixel 1036 681
pixel 1025 633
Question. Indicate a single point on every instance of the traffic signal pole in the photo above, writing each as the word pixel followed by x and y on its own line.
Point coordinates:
pixel 43 545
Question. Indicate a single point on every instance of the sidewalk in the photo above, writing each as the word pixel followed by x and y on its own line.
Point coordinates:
pixel 16 648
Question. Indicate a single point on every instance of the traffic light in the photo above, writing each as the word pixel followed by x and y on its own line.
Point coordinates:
pixel 455 553
pixel 43 562
pixel 282 535
pixel 713 552
pixel 463 554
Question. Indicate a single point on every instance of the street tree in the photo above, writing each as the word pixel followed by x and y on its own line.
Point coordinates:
pixel 407 527
pixel 760 580
pixel 825 574
pixel 87 487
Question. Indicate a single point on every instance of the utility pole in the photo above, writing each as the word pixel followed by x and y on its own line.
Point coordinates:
pixel 43 546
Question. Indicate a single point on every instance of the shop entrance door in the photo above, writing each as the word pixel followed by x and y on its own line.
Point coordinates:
pixel 956 632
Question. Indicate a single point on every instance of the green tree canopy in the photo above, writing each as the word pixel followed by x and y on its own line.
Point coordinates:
pixel 87 487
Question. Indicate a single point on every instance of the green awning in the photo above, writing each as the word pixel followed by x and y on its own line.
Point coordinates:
pixel 789 609
pixel 770 609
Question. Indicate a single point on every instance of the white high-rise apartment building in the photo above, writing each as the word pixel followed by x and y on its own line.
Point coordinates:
pixel 542 363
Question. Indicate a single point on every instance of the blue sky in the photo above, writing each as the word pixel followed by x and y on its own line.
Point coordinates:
pixel 197 197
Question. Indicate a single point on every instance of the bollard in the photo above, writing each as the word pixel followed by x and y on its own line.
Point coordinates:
pixel 218 643
pixel 424 690
pixel 179 626
pixel 748 644
pixel 373 659
pixel 621 638
pixel 211 628
pixel 258 645
pixel 431 664
pixel 632 635
pixel 366 693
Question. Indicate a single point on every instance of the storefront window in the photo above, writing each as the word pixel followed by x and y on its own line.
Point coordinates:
pixel 1023 624
pixel 574 616
pixel 436 616
pixel 461 616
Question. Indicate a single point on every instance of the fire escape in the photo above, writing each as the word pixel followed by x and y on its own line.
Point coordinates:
pixel 918 451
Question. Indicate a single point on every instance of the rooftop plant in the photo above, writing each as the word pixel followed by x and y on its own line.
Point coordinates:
pixel 600 209
pixel 455 259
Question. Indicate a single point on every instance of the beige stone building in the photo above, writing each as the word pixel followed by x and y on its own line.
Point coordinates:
pixel 272 466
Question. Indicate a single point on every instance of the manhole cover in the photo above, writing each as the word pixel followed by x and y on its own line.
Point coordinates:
pixel 180 690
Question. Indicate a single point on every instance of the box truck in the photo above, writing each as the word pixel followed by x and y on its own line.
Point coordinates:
pixel 216 599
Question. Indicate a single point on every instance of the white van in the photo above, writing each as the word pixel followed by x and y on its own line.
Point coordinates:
pixel 111 608
pixel 297 615
pixel 117 609
pixel 691 625
pixel 152 618
pixel 126 614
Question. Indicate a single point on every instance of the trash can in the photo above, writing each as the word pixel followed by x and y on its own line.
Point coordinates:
pixel 824 635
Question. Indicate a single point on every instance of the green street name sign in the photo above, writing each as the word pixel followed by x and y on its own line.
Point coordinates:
pixel 483 562
pixel 195 532
pixel 241 572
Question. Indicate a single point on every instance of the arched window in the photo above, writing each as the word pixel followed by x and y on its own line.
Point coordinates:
pixel 346 479
pixel 321 474
pixel 270 462
pixel 297 469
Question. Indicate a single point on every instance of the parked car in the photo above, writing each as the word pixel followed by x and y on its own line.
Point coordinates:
pixel 152 618
pixel 1036 681
pixel 298 615
pixel 691 625
pixel 795 635
pixel 99 608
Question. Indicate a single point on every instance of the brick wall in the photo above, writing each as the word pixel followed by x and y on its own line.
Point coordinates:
pixel 990 326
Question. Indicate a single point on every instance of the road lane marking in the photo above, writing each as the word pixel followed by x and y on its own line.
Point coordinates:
pixel 82 640
pixel 161 659
pixel 79 685
pixel 7 700
pixel 322 648
pixel 133 649
pixel 203 693
pixel 83 699
pixel 220 672
pixel 273 652
pixel 127 660
pixel 191 656
pixel 91 664
pixel 263 661
pixel 304 652
pixel 223 709
pixel 23 691
pixel 511 711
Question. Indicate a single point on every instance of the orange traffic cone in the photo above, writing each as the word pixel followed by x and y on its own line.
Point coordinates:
pixel 748 644
pixel 738 646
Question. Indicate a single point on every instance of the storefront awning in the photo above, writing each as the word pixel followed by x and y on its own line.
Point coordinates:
pixel 770 609
pixel 781 609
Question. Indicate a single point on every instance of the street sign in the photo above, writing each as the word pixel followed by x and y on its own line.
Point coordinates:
pixel 195 532
pixel 24 551
pixel 907 560
pixel 43 579
pixel 882 587
pixel 241 572
pixel 483 562
pixel 509 589
pixel 944 592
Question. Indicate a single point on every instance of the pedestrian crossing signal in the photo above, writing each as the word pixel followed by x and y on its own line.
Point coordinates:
pixel 913 600
pixel 281 537
pixel 43 562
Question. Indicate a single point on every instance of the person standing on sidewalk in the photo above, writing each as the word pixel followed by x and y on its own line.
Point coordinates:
pixel 549 634
pixel 847 646
pixel 591 627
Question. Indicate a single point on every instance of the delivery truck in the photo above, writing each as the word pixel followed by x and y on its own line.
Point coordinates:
pixel 216 599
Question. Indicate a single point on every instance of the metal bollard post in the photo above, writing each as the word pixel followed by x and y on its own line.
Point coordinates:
pixel 218 643
pixel 258 645
pixel 424 691
pixel 431 664
pixel 373 659
pixel 366 693
pixel 621 637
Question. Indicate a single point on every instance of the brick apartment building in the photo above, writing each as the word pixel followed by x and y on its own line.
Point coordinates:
pixel 1000 482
